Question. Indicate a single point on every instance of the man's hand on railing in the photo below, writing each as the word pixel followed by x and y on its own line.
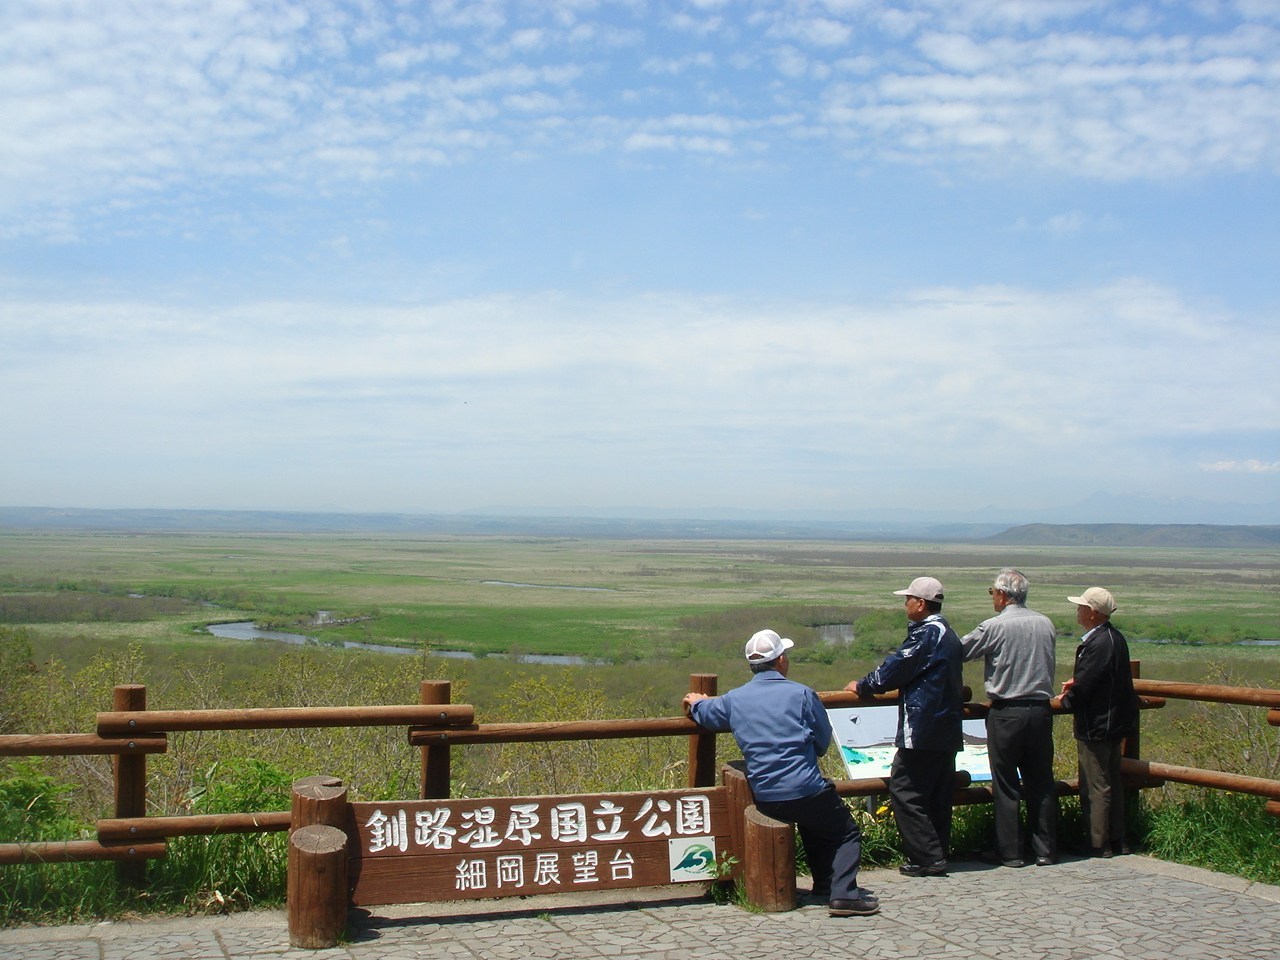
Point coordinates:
pixel 689 700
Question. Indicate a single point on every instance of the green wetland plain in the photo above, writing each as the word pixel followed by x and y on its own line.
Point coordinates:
pixel 625 621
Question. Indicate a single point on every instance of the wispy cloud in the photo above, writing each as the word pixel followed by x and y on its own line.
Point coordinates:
pixel 970 370
pixel 1241 466
pixel 125 100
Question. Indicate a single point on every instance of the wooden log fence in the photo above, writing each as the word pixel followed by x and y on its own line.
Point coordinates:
pixel 130 732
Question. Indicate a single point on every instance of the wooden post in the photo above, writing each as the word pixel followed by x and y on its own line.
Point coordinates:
pixel 733 776
pixel 317 886
pixel 436 771
pixel 319 800
pixel 770 862
pixel 1132 746
pixel 130 776
pixel 702 746
pixel 316 891
pixel 1273 807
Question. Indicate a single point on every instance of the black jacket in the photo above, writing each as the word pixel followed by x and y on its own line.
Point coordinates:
pixel 1102 698
pixel 928 669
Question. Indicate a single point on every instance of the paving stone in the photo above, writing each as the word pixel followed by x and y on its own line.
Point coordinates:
pixel 1129 908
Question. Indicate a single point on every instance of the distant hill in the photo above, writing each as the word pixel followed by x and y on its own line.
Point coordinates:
pixel 267 521
pixel 676 528
pixel 1137 535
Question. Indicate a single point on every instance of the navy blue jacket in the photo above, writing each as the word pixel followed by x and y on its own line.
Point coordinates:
pixel 929 670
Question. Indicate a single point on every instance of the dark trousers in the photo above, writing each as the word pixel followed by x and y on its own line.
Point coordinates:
pixel 1020 748
pixel 831 838
pixel 922 786
pixel 1101 791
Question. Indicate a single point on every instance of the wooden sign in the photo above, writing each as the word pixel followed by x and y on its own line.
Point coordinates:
pixel 425 850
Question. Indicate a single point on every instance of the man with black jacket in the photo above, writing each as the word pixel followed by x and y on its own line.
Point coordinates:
pixel 1100 694
pixel 928 669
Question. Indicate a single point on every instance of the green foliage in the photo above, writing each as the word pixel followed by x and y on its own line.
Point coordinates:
pixel 881 844
pixel 586 766
pixel 1221 831
pixel 16 667
pixel 1227 737
pixel 241 785
pixel 236 871
pixel 35 806
pixel 75 606
pixel 723 888
pixel 879 632
pixel 659 610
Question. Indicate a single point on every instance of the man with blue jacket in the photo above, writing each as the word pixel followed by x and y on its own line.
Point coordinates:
pixel 782 729
pixel 928 668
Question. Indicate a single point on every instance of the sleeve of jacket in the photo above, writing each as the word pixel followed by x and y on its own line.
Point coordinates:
pixel 977 642
pixel 712 713
pixel 1092 667
pixel 819 723
pixel 901 666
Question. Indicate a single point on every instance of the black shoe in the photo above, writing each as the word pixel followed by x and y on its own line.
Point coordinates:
pixel 990 856
pixel 1101 852
pixel 1121 849
pixel 1046 861
pixel 938 869
pixel 864 906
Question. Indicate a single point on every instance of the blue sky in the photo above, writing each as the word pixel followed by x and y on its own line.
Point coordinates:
pixel 791 256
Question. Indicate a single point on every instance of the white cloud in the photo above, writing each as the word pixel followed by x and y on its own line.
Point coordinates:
pixel 131 100
pixel 983 372
pixel 1241 466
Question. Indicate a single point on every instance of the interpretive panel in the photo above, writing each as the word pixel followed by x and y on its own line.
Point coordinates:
pixel 866 734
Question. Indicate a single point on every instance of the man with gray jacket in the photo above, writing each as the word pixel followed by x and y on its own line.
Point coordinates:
pixel 1017 648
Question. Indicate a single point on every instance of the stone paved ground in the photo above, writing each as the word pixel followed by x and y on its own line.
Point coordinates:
pixel 1131 907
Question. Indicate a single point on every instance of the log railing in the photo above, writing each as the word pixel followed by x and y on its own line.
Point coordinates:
pixel 130 732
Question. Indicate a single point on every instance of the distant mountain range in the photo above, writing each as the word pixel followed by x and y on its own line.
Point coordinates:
pixel 1138 535
pixel 253 521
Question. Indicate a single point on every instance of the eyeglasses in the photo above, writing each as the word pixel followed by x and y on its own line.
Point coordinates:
pixel 993 591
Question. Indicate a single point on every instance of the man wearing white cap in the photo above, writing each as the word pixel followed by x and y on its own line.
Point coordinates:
pixel 782 729
pixel 1100 695
pixel 929 670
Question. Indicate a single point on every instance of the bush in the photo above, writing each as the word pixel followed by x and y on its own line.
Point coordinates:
pixel 35 806
pixel 1221 831
pixel 236 871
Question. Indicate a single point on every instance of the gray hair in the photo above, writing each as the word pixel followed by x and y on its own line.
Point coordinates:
pixel 1012 584
pixel 760 666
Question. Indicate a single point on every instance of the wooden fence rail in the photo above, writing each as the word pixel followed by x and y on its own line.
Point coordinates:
pixel 1209 693
pixel 270 718
pixel 77 745
pixel 130 732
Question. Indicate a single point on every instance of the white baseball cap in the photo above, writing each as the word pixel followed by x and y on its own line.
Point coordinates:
pixel 766 645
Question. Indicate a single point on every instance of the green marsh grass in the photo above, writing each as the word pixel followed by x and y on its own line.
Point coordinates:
pixel 80 613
